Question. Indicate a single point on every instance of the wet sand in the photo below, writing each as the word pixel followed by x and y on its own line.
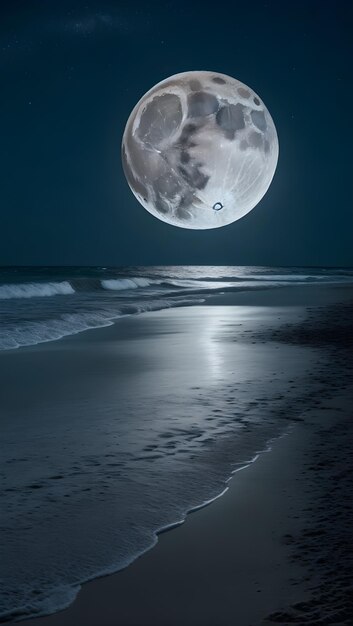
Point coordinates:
pixel 273 549
pixel 277 546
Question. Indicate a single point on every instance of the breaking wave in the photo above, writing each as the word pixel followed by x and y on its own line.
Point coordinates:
pixel 69 287
pixel 35 290
pixel 118 284
pixel 33 333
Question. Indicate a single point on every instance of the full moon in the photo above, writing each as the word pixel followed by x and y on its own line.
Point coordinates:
pixel 199 150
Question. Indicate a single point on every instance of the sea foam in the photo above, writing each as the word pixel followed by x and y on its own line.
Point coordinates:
pixel 118 284
pixel 33 333
pixel 35 290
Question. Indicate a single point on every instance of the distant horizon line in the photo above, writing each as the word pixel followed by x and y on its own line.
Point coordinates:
pixel 106 266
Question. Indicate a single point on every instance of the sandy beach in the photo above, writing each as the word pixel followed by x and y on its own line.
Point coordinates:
pixel 275 548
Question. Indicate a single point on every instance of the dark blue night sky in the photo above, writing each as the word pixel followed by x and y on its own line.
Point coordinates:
pixel 72 71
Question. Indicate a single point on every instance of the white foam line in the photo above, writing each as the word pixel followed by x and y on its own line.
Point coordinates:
pixel 35 290
pixel 207 502
pixel 79 325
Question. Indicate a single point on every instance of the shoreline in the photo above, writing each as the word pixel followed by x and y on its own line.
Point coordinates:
pixel 241 296
pixel 81 611
pixel 258 574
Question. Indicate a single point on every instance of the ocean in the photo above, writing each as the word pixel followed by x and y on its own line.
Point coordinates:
pixel 44 304
pixel 110 437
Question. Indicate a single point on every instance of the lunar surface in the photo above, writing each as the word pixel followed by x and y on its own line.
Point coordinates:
pixel 199 150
